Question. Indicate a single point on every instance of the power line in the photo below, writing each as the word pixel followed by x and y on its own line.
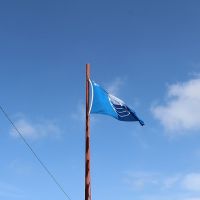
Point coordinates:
pixel 33 152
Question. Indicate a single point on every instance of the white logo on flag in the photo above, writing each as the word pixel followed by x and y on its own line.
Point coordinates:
pixel 119 106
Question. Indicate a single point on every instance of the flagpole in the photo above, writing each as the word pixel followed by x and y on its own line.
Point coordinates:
pixel 87 139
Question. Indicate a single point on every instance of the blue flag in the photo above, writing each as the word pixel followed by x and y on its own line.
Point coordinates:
pixel 104 103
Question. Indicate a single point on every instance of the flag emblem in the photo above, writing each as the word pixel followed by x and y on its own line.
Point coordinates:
pixel 119 106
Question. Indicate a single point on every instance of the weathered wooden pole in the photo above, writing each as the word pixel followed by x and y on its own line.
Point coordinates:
pixel 87 139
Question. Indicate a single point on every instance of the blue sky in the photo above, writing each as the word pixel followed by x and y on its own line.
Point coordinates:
pixel 146 53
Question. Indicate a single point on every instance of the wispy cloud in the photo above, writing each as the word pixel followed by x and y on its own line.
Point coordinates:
pixel 139 180
pixel 169 182
pixel 181 111
pixel 35 130
pixel 192 182
pixel 115 86
pixel 157 186
pixel 142 180
pixel 189 182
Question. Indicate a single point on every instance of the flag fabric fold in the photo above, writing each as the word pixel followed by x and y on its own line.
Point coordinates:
pixel 103 102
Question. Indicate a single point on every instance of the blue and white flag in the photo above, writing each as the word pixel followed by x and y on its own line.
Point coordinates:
pixel 104 103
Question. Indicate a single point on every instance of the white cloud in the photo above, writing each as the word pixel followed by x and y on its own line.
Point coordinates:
pixel 169 182
pixel 181 112
pixel 192 182
pixel 142 180
pixel 114 87
pixel 158 186
pixel 189 182
pixel 36 130
pixel 139 180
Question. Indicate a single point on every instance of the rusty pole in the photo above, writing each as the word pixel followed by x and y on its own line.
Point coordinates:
pixel 87 140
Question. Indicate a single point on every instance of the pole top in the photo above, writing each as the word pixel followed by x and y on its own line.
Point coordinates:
pixel 88 70
pixel 88 65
